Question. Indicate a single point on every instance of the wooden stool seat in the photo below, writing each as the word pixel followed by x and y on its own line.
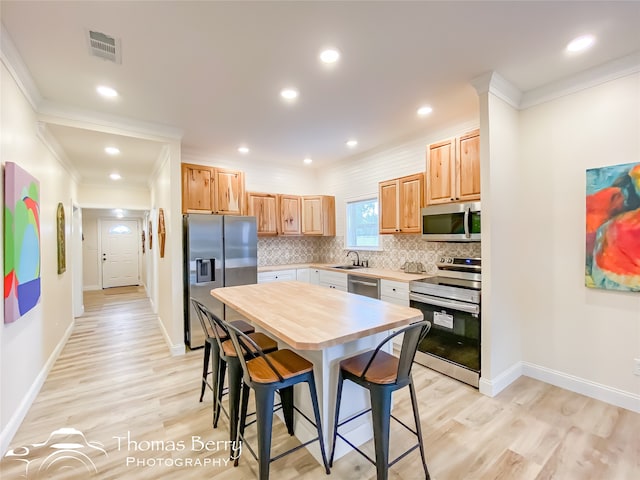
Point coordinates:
pixel 382 374
pixel 383 369
pixel 287 363
pixel 264 342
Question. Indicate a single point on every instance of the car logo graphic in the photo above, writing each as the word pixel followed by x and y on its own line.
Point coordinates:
pixel 65 449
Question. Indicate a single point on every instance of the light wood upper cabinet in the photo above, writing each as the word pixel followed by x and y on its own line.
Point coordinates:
pixel 290 215
pixel 468 148
pixel 401 200
pixel 229 191
pixel 453 169
pixel 319 215
pixel 198 186
pixel 263 206
pixel 208 189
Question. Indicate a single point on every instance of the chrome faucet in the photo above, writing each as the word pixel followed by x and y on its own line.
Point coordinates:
pixel 357 262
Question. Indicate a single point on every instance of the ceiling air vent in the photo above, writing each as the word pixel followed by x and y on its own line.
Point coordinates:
pixel 104 46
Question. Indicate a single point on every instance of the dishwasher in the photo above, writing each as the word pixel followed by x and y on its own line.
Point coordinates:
pixel 367 286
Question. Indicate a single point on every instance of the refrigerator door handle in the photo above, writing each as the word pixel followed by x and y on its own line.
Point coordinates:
pixel 205 269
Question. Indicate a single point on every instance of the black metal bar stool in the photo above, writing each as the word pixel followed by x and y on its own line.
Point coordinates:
pixel 211 346
pixel 229 357
pixel 382 374
pixel 265 373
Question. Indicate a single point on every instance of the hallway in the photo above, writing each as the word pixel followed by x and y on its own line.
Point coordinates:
pixel 137 407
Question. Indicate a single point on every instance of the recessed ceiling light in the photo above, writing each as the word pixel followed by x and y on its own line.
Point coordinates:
pixel 289 93
pixel 330 55
pixel 115 176
pixel 243 150
pixel 307 161
pixel 352 143
pixel 581 43
pixel 425 110
pixel 107 91
pixel 112 150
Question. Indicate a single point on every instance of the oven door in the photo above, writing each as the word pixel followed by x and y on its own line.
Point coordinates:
pixel 452 346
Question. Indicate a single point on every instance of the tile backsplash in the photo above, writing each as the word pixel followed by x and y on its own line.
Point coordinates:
pixel 396 249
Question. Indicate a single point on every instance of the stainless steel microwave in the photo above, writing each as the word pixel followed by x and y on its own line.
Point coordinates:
pixel 451 222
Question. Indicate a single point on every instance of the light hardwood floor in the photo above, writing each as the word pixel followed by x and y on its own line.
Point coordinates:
pixel 116 382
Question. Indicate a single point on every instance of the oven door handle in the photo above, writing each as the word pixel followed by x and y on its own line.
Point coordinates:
pixel 445 303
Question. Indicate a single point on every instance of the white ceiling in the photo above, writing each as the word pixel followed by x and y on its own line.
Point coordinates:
pixel 214 69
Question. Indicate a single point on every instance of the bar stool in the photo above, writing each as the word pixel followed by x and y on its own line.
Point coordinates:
pixel 229 357
pixel 211 345
pixel 382 374
pixel 265 373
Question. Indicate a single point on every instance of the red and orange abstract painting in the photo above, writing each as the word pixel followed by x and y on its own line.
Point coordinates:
pixel 613 228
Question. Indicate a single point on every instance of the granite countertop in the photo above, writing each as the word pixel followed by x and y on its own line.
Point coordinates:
pixel 387 274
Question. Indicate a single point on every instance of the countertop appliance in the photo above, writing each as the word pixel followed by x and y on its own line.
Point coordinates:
pixel 367 286
pixel 452 222
pixel 451 302
pixel 220 251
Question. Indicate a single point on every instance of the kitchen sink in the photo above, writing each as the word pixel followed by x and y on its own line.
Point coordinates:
pixel 346 267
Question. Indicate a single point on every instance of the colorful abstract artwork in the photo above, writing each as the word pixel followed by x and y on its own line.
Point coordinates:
pixel 613 228
pixel 21 242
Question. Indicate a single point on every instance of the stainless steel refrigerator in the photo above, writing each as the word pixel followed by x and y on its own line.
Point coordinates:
pixel 220 251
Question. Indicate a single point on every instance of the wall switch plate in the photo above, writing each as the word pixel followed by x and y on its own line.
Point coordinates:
pixel 636 366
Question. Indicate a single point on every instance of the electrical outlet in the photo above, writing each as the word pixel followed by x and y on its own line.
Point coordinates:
pixel 636 366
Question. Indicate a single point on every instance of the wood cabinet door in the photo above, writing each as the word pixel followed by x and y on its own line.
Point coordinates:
pixel 411 201
pixel 388 197
pixel 263 206
pixel 290 215
pixel 197 189
pixel 229 191
pixel 468 166
pixel 441 172
pixel 312 216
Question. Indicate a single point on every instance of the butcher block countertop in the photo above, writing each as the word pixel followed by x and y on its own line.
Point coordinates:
pixel 311 317
pixel 387 274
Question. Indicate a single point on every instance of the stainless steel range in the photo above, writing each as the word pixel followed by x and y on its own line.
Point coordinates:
pixel 451 302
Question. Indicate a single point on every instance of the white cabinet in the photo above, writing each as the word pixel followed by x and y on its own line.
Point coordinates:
pixel 302 275
pixel 398 293
pixel 314 276
pixel 335 280
pixel 394 292
pixel 276 276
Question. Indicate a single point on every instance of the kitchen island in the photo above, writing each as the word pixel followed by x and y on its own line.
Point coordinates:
pixel 324 326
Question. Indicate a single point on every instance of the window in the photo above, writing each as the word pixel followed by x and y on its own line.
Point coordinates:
pixel 120 230
pixel 362 224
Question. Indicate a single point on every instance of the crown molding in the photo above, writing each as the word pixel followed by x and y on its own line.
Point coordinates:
pixel 496 84
pixel 606 72
pixel 12 60
pixel 58 114
pixel 56 150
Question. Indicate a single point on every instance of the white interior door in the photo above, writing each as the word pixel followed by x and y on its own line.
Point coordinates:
pixel 119 242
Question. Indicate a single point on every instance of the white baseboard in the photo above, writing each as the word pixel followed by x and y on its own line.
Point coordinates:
pixel 613 396
pixel 16 419
pixel 175 349
pixel 491 388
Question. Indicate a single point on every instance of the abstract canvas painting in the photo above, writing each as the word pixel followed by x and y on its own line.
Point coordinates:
pixel 613 228
pixel 21 242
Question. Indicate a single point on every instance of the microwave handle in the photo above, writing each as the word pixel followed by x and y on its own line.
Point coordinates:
pixel 467 218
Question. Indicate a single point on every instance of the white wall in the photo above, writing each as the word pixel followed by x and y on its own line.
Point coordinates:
pixel 501 245
pixel 29 345
pixel 262 177
pixel 90 256
pixel 167 288
pixel 577 337
pixel 114 196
